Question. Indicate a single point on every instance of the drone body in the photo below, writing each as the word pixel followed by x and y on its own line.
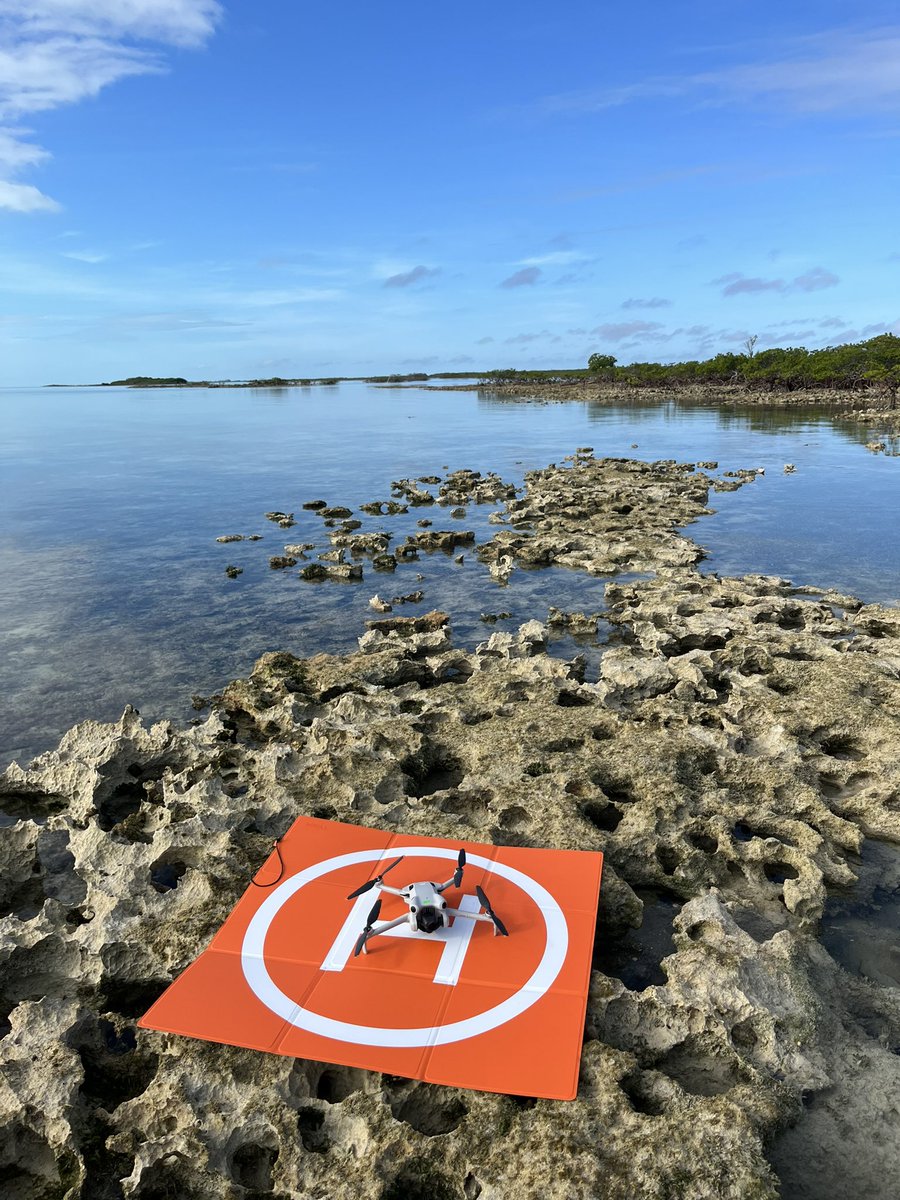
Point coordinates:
pixel 428 910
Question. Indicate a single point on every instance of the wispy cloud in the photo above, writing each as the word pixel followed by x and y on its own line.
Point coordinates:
pixel 736 284
pixel 624 330
pixel 407 278
pixel 524 278
pixel 85 256
pixel 835 71
pixel 814 280
pixel 524 339
pixel 652 302
pixel 557 258
pixel 58 52
pixel 647 182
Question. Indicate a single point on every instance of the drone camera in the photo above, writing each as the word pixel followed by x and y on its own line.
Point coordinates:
pixel 429 918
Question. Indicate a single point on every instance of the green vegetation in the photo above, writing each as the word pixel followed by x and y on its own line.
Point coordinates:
pixel 856 366
pixel 149 381
pixel 512 375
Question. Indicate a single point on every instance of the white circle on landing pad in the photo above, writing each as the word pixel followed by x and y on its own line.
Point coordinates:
pixel 265 989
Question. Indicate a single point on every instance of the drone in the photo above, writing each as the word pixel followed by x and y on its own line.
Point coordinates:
pixel 428 909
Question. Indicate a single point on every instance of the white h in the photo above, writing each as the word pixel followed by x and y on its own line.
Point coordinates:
pixel 455 938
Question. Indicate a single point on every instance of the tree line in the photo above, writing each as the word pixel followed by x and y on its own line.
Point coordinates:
pixel 855 366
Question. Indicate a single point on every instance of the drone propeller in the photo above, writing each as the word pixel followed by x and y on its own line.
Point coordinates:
pixel 486 905
pixel 458 873
pixel 370 921
pixel 378 878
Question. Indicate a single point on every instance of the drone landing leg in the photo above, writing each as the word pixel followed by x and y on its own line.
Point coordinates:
pixel 382 929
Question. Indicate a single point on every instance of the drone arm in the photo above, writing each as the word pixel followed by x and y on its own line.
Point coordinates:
pixel 443 887
pixel 498 925
pixel 458 912
pixel 393 891
pixel 383 928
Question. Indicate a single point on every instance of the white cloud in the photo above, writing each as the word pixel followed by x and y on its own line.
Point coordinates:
pixel 23 198
pixel 176 22
pixel 57 52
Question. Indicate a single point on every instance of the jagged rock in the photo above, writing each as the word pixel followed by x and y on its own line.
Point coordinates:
pixel 279 561
pixel 441 539
pixel 577 622
pixel 362 543
pixel 232 571
pixel 625 677
pixel 334 570
pixel 284 520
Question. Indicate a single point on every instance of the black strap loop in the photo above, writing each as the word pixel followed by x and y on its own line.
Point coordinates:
pixel 280 873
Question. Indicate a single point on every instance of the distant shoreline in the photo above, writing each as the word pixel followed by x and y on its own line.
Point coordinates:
pixel 865 403
pixel 149 381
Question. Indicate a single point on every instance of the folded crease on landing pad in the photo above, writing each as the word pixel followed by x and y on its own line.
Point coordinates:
pixel 459 1007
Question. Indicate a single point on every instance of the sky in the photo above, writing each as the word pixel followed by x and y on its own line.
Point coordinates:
pixel 249 188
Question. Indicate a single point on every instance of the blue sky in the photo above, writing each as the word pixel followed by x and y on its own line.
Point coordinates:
pixel 266 187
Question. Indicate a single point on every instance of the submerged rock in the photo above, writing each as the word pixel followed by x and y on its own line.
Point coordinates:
pixel 284 520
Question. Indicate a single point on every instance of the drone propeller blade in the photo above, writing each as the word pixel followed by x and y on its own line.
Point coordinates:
pixel 378 878
pixel 370 921
pixel 486 905
pixel 365 887
pixel 458 873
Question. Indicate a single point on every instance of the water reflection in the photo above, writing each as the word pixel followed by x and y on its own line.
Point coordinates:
pixel 112 588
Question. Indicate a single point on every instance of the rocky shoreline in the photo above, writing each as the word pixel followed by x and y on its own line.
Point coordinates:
pixel 866 406
pixel 736 751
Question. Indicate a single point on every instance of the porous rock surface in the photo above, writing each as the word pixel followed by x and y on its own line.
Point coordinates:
pixel 604 515
pixel 736 749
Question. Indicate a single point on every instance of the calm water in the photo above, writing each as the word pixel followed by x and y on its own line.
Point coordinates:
pixel 112 587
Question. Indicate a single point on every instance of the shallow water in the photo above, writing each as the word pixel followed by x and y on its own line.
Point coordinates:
pixel 859 925
pixel 112 587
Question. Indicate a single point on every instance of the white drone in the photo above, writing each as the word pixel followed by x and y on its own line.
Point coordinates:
pixel 428 910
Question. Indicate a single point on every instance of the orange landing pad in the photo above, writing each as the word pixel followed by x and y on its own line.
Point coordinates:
pixel 459 1006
